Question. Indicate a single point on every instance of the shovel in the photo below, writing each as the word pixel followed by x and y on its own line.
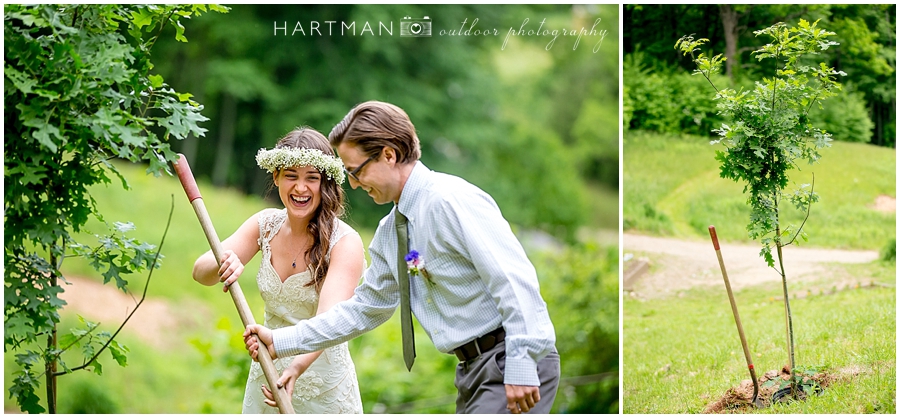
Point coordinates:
pixel 282 398
pixel 737 319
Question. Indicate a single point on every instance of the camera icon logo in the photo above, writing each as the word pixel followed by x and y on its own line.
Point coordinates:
pixel 415 27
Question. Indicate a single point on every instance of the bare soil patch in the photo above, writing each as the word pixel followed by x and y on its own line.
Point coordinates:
pixel 156 321
pixel 885 204
pixel 738 399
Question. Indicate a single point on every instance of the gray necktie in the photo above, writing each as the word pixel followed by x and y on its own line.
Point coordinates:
pixel 406 325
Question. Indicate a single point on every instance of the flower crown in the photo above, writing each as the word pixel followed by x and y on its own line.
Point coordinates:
pixel 278 158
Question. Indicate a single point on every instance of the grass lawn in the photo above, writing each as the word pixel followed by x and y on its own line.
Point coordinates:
pixel 672 187
pixel 681 354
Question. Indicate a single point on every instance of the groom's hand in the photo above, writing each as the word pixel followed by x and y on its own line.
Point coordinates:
pixel 252 344
pixel 521 399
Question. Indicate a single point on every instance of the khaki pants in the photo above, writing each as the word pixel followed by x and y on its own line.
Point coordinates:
pixel 480 383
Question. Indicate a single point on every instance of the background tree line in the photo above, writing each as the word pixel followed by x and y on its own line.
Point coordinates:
pixel 663 96
pixel 511 121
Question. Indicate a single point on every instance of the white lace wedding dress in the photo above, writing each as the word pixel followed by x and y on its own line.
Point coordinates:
pixel 329 385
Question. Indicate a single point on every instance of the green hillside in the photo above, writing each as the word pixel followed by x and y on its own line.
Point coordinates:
pixel 672 188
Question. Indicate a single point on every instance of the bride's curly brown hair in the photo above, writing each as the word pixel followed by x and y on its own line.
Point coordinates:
pixel 330 209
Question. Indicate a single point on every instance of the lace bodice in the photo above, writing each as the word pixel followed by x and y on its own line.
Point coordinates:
pixel 329 385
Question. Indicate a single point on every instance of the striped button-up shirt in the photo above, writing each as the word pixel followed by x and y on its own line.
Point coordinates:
pixel 478 279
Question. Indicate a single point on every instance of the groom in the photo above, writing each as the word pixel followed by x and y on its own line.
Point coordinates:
pixel 445 254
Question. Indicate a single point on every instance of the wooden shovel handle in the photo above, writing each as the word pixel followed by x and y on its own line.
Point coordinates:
pixel 734 311
pixel 282 398
pixel 712 234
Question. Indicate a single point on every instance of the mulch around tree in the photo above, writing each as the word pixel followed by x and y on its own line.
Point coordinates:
pixel 737 399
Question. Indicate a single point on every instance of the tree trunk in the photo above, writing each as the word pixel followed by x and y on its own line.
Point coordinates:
pixel 729 26
pixel 875 111
pixel 51 350
pixel 788 320
pixel 227 117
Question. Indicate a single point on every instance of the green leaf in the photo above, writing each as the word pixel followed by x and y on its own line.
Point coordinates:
pixel 124 227
pixel 97 367
pixel 118 353
pixel 27 19
pixel 179 32
pixel 43 133
pixel 68 340
pixel 766 253
pixel 29 359
pixel 114 272
pixel 182 120
pixel 24 83
pixel 18 324
pixel 219 8
pixel 29 174
pixel 156 81
pixel 23 391
pixel 141 18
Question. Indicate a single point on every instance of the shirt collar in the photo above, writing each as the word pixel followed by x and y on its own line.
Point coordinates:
pixel 413 190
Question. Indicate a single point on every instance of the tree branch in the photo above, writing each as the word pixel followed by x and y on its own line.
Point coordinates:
pixel 143 297
pixel 705 75
pixel 161 27
pixel 812 188
pixel 816 97
pixel 775 81
pixel 710 81
pixel 776 270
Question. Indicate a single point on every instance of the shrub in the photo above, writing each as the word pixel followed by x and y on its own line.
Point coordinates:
pixel 581 288
pixel 889 252
pixel 88 398
pixel 846 117
pixel 667 100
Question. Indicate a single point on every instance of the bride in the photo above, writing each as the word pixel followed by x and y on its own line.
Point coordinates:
pixel 311 260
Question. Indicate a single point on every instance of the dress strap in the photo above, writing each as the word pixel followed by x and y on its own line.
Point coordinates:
pixel 269 224
pixel 341 230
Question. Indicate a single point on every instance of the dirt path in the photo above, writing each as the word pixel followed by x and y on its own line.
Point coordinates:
pixel 676 265
pixel 157 322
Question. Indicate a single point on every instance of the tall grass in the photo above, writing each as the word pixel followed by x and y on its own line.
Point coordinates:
pixel 672 187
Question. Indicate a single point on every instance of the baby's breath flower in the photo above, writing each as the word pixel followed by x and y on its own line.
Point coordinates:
pixel 278 158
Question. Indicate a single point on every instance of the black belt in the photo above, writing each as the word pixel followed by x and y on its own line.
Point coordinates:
pixel 474 348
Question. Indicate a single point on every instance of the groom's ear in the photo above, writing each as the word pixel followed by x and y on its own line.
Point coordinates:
pixel 390 155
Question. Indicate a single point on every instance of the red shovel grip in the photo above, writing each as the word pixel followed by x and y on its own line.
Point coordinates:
pixel 187 178
pixel 715 239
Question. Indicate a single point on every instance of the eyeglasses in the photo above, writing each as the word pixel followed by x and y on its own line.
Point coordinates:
pixel 358 169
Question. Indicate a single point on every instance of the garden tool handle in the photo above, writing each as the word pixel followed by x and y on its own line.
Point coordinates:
pixel 712 234
pixel 282 398
pixel 734 310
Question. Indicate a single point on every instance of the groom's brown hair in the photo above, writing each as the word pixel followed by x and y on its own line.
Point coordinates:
pixel 373 125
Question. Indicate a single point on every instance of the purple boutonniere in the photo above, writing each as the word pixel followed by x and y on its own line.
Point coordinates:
pixel 416 265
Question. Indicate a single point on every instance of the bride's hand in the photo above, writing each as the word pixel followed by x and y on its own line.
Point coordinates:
pixel 230 269
pixel 287 380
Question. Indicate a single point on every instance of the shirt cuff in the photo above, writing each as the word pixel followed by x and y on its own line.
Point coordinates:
pixel 286 340
pixel 521 372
